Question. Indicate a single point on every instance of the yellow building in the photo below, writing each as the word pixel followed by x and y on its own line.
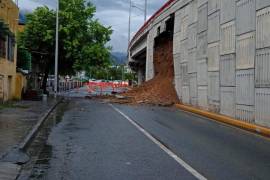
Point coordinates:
pixel 9 14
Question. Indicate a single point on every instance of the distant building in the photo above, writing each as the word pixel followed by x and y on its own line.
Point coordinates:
pixel 22 22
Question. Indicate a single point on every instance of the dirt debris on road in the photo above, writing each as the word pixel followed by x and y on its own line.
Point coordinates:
pixel 160 90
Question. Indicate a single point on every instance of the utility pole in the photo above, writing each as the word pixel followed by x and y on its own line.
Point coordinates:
pixel 129 21
pixel 56 51
pixel 122 72
pixel 145 10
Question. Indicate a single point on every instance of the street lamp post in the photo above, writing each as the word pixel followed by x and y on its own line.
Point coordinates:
pixel 145 10
pixel 56 51
pixel 129 20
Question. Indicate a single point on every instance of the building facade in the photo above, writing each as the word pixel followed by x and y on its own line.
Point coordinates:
pixel 9 13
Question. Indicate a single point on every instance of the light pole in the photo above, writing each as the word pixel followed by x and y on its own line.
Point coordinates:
pixel 129 20
pixel 56 51
pixel 145 10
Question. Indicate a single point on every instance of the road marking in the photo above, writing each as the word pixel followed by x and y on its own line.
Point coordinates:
pixel 164 148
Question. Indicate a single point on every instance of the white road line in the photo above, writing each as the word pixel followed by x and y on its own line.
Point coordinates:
pixel 165 149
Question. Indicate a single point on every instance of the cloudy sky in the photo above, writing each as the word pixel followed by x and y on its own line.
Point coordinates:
pixel 111 13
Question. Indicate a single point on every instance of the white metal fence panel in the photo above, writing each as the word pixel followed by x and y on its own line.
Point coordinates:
pixel 227 10
pixel 245 51
pixel 193 11
pixel 262 104
pixel 262 4
pixel 202 72
pixel 185 95
pixel 184 27
pixel 193 88
pixel 202 97
pixel 201 2
pixel 213 57
pixel 184 50
pixel 262 28
pixel 184 73
pixel 227 38
pixel 227 70
pixel 176 43
pixel 178 86
pixel 213 5
pixel 245 90
pixel 202 17
pixel 192 36
pixel 213 27
pixel 192 64
pixel 245 113
pixel 227 101
pixel 213 86
pixel 177 23
pixel 245 16
pixel 202 45
pixel 176 64
pixel 262 69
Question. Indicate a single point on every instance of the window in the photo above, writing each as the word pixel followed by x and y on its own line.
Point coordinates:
pixel 2 48
pixel 11 46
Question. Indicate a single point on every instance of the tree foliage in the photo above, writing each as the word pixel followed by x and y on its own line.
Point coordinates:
pixel 110 73
pixel 82 38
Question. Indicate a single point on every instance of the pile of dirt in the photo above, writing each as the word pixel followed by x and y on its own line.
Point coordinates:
pixel 160 90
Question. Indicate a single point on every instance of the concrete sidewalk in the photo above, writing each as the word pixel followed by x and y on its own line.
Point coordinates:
pixel 18 120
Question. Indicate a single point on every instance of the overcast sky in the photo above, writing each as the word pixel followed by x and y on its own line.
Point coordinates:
pixel 111 13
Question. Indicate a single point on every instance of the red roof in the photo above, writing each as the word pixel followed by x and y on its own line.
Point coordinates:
pixel 146 24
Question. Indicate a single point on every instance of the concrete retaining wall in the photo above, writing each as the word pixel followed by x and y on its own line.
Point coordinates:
pixel 231 40
pixel 221 55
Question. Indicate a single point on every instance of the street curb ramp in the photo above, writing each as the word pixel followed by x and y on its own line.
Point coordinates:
pixel 227 120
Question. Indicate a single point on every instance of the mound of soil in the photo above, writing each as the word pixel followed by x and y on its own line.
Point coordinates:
pixel 160 90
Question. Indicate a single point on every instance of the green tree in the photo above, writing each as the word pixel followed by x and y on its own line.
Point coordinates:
pixel 82 39
pixel 110 73
pixel 23 59
pixel 38 38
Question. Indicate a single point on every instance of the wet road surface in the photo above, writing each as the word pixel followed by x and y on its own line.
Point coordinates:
pixel 95 141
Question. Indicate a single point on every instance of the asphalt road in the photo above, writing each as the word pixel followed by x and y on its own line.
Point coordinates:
pixel 98 141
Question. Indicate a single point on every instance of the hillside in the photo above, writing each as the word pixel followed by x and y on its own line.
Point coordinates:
pixel 119 58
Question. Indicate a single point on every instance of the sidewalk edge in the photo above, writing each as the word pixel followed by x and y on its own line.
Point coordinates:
pixel 227 120
pixel 27 140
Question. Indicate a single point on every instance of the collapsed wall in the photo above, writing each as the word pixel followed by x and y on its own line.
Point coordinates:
pixel 160 89
pixel 221 53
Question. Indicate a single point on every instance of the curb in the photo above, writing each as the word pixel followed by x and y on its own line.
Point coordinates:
pixel 31 135
pixel 227 120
